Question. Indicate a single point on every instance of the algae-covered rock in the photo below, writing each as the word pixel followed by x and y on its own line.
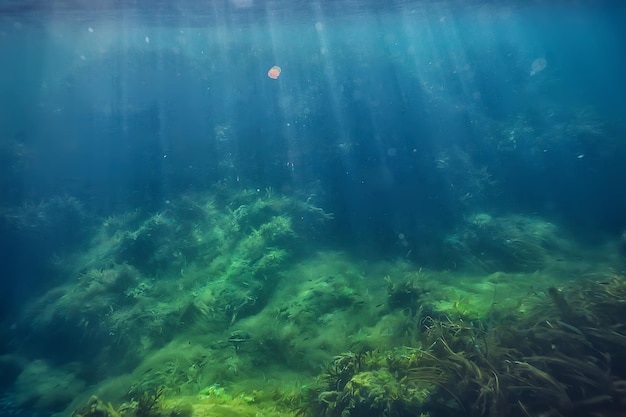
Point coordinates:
pixel 96 408
pixel 510 243
pixel 45 387
pixel 373 383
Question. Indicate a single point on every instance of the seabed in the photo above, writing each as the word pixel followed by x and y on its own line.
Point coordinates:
pixel 236 304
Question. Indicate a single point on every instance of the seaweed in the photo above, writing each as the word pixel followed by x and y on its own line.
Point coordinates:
pixel 371 383
pixel 504 243
pixel 528 365
pixel 404 294
pixel 148 403
pixel 96 408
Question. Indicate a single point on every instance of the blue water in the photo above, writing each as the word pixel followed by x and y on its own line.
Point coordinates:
pixel 402 118
pixel 405 118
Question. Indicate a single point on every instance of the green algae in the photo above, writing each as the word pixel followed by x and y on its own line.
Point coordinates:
pixel 224 305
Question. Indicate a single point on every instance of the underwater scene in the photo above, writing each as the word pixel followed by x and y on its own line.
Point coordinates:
pixel 350 208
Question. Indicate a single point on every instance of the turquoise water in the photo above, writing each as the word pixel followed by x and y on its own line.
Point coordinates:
pixel 162 184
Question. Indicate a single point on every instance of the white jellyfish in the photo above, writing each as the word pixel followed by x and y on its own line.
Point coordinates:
pixel 537 66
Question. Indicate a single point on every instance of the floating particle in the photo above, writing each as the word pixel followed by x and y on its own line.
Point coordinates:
pixel 274 72
pixel 538 65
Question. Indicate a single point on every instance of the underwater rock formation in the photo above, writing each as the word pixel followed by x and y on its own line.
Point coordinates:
pixel 505 243
pixel 562 357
